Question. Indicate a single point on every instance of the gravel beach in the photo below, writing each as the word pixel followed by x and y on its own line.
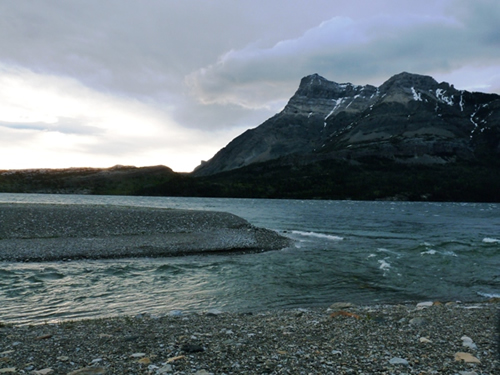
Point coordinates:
pixel 429 338
pixel 43 232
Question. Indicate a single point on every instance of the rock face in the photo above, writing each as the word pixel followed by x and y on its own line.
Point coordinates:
pixel 408 119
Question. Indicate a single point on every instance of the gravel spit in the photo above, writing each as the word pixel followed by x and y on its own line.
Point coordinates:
pixel 46 232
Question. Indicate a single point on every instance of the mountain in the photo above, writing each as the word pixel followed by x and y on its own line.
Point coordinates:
pixel 411 138
pixel 410 119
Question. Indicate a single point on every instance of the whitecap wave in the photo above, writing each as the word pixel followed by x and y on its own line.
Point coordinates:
pixel 387 251
pixel 428 252
pixel 318 235
pixel 491 240
pixel 450 253
pixel 384 265
pixel 489 295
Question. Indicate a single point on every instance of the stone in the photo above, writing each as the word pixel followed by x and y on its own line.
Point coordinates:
pixel 131 338
pixel 398 361
pixel 192 348
pixel 43 337
pixel 165 369
pixel 341 305
pixel 203 372
pixel 424 305
pixel 63 358
pixel 44 371
pixel 466 357
pixel 418 321
pixel 138 355
pixel 467 342
pixel 424 340
pixel 213 312
pixel 88 371
pixel 175 313
pixel 344 313
pixel 144 361
pixel 173 359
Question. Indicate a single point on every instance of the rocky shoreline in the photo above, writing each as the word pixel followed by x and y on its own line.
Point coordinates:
pixel 46 232
pixel 428 338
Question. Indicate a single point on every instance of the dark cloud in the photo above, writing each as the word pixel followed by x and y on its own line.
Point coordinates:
pixel 369 49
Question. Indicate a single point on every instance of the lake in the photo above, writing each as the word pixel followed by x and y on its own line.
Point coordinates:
pixel 362 252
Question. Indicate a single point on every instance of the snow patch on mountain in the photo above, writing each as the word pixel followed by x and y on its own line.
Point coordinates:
pixel 446 99
pixel 416 96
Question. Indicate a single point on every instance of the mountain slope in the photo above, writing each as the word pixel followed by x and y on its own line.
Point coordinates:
pixel 410 118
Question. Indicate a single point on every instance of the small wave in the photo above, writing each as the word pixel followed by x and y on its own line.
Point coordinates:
pixel 6 273
pixel 491 240
pixel 387 251
pixel 384 265
pixel 51 276
pixel 318 235
pixel 489 295
pixel 168 268
pixel 428 252
pixel 450 253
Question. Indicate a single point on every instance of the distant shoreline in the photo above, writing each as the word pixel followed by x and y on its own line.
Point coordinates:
pixel 47 232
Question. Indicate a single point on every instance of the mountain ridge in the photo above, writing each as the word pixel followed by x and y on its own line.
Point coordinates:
pixel 410 118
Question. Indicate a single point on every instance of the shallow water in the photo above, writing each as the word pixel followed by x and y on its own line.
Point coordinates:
pixel 365 252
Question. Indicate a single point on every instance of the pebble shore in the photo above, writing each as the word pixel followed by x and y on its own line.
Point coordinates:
pixel 428 338
pixel 47 232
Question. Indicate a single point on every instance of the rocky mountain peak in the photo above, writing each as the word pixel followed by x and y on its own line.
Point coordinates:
pixel 317 87
pixel 408 80
pixel 410 118
pixel 317 95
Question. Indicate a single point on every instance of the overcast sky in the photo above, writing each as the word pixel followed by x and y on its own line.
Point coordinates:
pixel 146 82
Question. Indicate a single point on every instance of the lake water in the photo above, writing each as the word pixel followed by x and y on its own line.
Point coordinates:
pixel 363 252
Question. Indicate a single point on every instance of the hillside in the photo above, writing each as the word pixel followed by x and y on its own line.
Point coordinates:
pixel 120 180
